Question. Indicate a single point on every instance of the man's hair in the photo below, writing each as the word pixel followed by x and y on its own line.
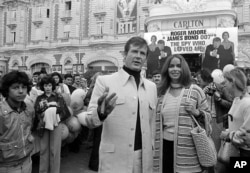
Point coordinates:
pixel 47 80
pixel 247 71
pixel 57 74
pixel 206 75
pixel 68 76
pixel 155 72
pixel 76 75
pixel 36 73
pixel 135 41
pixel 161 42
pixel 14 77
pixel 216 39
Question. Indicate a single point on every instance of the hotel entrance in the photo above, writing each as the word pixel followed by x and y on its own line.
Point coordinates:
pixel 194 61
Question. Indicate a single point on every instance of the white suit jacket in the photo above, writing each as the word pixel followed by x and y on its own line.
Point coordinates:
pixel 117 142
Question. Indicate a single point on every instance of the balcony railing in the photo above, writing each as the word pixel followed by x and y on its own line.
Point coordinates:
pixel 37 20
pixel 9 44
pixel 68 41
pixel 12 23
pixel 12 1
pixel 47 44
pixel 39 44
pixel 66 16
pixel 100 13
pixel 13 46
pixel 101 38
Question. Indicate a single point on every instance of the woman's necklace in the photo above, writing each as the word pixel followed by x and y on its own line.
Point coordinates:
pixel 175 89
pixel 175 85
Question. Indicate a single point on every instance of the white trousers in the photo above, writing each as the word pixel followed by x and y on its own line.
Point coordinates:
pixel 137 166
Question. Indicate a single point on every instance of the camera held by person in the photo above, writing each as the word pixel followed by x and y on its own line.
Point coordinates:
pixel 211 89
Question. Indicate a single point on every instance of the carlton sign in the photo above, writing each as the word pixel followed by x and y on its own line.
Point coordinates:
pixel 188 23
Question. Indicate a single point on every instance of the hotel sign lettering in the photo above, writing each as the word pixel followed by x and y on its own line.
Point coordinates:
pixel 197 23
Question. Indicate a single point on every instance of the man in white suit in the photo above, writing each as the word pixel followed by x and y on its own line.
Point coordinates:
pixel 124 103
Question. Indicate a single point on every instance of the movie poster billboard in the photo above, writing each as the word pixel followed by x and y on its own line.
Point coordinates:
pixel 126 17
pixel 217 47
pixel 192 41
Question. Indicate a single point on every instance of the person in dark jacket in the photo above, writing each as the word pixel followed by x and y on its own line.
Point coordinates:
pixel 163 54
pixel 16 119
pixel 212 55
pixel 69 81
pixel 220 101
pixel 97 132
pixel 50 110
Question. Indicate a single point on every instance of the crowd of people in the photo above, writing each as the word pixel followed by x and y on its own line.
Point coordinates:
pixel 36 119
pixel 140 125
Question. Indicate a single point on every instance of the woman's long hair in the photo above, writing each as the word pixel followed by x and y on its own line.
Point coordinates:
pixel 59 76
pixel 185 78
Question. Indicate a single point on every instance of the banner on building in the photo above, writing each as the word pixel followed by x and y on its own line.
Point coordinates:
pixel 192 41
pixel 126 16
pixel 57 68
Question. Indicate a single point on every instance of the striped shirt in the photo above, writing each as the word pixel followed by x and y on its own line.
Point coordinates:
pixel 185 155
pixel 169 113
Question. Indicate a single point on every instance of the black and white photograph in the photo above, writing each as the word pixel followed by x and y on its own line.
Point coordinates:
pixel 124 86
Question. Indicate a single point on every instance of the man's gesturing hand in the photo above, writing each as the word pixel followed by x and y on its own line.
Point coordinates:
pixel 106 104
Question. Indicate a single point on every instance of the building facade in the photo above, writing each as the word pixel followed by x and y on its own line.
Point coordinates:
pixel 72 36
pixel 68 36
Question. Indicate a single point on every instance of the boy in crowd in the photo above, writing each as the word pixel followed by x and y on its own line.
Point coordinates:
pixel 156 77
pixel 16 119
pixel 35 78
pixel 77 81
pixel 68 80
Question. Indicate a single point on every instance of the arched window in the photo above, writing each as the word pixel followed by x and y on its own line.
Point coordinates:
pixel 67 63
pixel 38 66
pixel 68 67
pixel 15 65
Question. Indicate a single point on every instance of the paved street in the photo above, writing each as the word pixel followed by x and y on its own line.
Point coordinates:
pixel 73 162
